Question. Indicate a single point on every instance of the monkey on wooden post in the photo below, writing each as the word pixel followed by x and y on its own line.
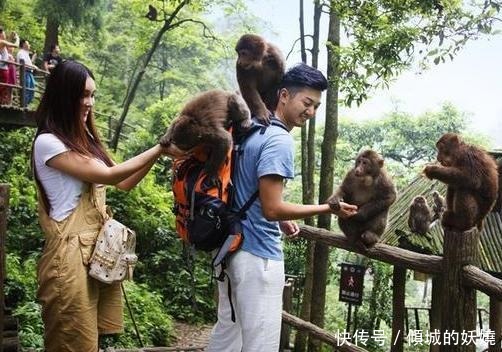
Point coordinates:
pixel 368 186
pixel 472 179
pixel 260 67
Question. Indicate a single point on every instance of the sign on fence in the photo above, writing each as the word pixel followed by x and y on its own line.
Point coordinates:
pixel 352 283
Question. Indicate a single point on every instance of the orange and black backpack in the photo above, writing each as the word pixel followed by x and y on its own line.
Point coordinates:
pixel 203 205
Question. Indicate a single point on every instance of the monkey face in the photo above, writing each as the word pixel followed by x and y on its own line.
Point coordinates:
pixel 181 137
pixel 368 163
pixel 420 200
pixel 447 147
pixel 250 49
pixel 247 60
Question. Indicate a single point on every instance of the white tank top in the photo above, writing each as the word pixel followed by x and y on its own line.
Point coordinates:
pixel 62 190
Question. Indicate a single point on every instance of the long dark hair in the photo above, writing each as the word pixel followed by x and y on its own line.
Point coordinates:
pixel 59 113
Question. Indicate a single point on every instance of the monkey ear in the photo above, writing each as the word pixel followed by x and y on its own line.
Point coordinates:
pixel 380 163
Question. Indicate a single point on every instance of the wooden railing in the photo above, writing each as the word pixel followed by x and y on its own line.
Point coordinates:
pixel 19 90
pixel 455 281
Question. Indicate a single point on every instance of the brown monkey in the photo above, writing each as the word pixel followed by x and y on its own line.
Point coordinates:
pixel 368 186
pixel 203 123
pixel 438 207
pixel 260 67
pixel 472 179
pixel 420 216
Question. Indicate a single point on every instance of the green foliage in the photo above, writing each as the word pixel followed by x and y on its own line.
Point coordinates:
pixel 154 324
pixel 385 37
pixel 20 293
pixel 23 232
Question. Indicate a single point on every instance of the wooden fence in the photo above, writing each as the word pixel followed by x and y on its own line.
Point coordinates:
pixel 456 280
pixel 20 88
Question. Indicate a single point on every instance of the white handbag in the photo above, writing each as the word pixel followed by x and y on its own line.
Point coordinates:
pixel 114 258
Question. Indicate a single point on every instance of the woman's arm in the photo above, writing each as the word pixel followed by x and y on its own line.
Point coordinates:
pixel 91 170
pixel 135 178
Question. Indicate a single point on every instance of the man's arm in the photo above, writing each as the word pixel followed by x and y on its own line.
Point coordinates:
pixel 275 209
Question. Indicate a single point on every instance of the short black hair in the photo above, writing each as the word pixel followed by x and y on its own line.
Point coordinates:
pixel 1 29
pixel 303 75
pixel 21 42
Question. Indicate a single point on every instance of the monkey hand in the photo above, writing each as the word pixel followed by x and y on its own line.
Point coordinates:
pixel 289 228
pixel 346 210
pixel 264 116
pixel 430 171
pixel 334 203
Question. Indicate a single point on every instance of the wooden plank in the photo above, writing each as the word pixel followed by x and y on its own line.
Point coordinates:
pixel 320 334
pixel 480 280
pixel 17 117
pixel 430 264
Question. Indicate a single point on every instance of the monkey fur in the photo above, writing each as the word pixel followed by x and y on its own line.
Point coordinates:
pixel 368 186
pixel 260 67
pixel 420 216
pixel 203 124
pixel 438 207
pixel 472 180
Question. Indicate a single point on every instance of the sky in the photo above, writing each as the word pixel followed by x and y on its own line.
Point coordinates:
pixel 472 82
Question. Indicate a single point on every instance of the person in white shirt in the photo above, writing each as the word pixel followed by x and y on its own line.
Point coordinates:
pixel 23 56
pixel 71 166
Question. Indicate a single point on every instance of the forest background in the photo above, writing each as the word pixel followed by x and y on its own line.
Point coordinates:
pixel 146 69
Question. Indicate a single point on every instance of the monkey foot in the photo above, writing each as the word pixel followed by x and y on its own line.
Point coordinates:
pixel 369 239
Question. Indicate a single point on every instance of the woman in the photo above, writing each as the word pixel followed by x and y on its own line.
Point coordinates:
pixel 5 91
pixel 71 165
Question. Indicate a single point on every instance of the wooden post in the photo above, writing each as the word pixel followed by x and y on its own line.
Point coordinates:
pixel 4 206
pixel 435 315
pixel 496 323
pixel 398 295
pixel 287 305
pixel 22 82
pixel 458 311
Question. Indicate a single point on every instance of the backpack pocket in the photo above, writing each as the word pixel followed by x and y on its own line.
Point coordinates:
pixel 207 229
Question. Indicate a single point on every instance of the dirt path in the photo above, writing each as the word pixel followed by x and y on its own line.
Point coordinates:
pixel 191 335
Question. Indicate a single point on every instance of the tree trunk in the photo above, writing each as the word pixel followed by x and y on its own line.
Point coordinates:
pixel 301 336
pixel 321 254
pixel 495 323
pixel 51 33
pixel 460 249
pixel 435 314
pixel 398 307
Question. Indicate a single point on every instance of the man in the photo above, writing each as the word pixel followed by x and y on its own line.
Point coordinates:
pixel 23 56
pixel 256 271
pixel 52 58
